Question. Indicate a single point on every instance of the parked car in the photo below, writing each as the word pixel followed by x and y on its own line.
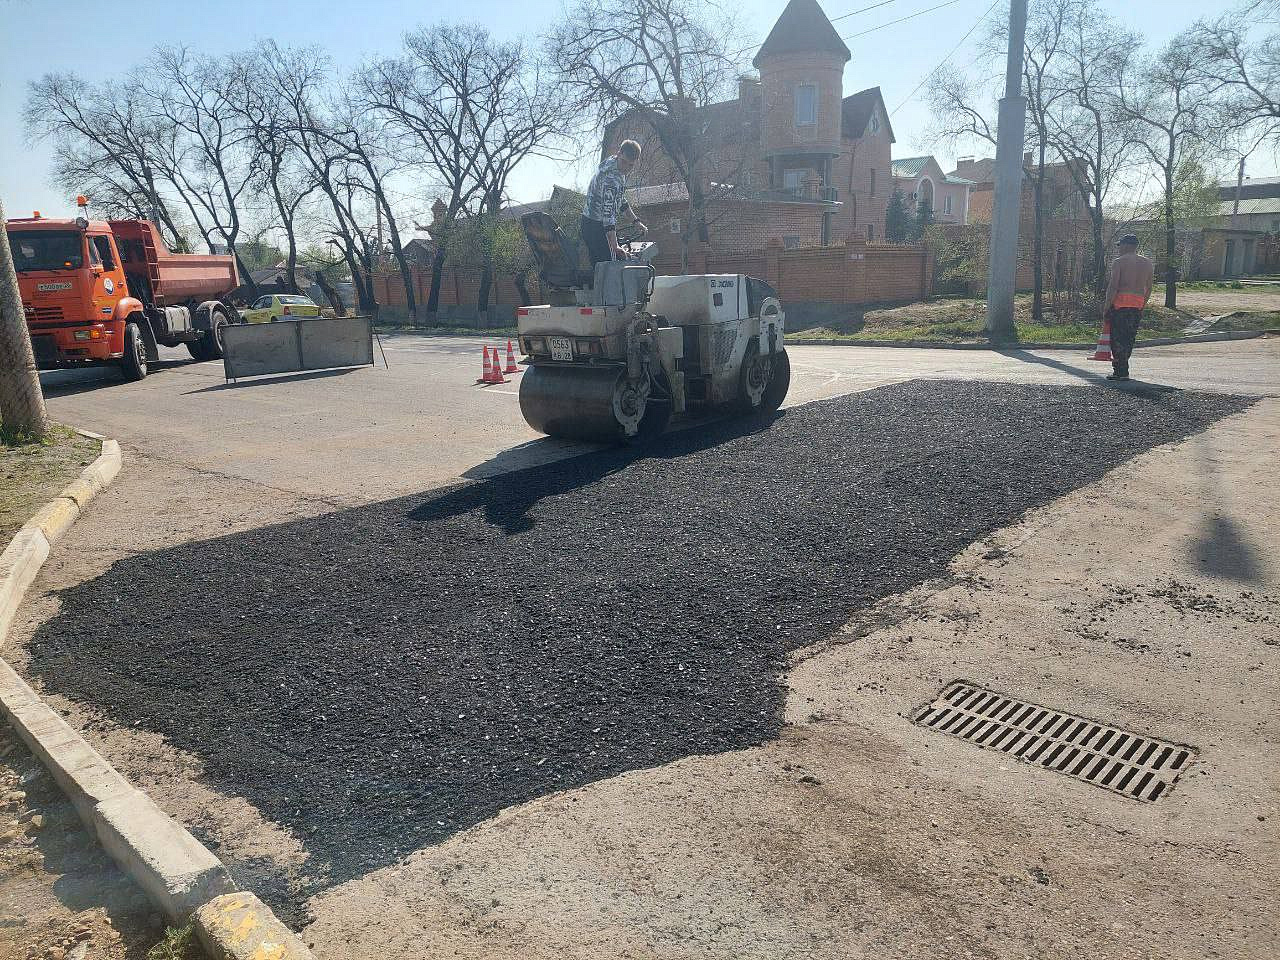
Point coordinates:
pixel 273 306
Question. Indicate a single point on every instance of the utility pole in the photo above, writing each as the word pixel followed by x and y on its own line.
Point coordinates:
pixel 21 402
pixel 1235 207
pixel 1002 267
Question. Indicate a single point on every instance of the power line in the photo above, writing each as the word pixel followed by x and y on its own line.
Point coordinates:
pixel 843 16
pixel 910 16
pixel 943 61
pixel 854 13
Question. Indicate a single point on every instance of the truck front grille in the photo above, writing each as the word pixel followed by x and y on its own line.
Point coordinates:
pixel 44 314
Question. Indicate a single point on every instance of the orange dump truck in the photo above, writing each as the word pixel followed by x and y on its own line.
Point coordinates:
pixel 109 291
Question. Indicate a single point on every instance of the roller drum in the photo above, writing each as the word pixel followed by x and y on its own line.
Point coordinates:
pixel 579 402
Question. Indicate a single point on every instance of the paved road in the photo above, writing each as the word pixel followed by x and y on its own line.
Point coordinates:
pixel 367 434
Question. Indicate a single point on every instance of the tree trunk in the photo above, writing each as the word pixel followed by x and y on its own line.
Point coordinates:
pixel 1037 244
pixel 437 276
pixel 246 277
pixel 21 401
pixel 335 301
pixel 482 298
pixel 522 287
pixel 1170 244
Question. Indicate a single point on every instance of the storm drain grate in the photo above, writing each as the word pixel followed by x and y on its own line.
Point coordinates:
pixel 1126 763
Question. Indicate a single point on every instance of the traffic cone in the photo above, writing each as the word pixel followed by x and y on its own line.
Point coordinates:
pixel 1103 351
pixel 511 360
pixel 486 375
pixel 495 369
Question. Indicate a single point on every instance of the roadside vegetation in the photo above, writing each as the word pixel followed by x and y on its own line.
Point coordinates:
pixel 34 472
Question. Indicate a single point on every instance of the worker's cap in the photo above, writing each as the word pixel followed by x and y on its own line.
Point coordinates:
pixel 1130 238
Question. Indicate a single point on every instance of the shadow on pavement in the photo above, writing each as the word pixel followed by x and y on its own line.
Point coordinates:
pixel 61 383
pixel 377 679
pixel 1221 549
pixel 272 380
pixel 508 498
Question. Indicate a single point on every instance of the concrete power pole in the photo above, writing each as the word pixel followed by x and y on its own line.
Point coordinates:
pixel 21 402
pixel 1002 257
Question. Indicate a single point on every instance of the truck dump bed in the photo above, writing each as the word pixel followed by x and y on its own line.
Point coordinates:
pixel 170 278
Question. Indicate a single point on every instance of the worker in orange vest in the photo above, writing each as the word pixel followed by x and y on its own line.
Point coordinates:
pixel 1127 293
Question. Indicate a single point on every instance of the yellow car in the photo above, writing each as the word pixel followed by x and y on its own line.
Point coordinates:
pixel 274 306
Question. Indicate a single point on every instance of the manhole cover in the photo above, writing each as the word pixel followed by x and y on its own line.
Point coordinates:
pixel 1123 762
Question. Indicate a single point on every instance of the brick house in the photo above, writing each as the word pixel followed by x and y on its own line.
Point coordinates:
pixel 921 180
pixel 1062 198
pixel 791 161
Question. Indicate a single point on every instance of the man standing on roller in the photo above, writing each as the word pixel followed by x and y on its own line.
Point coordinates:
pixel 606 202
pixel 1127 294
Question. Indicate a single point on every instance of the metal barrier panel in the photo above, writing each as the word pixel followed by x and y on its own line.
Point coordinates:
pixel 336 342
pixel 288 346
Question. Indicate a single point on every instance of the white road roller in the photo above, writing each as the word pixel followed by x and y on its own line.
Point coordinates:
pixel 619 350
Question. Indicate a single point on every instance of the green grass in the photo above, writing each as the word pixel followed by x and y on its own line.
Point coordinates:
pixel 954 320
pixel 179 943
pixel 34 472
pixel 1248 320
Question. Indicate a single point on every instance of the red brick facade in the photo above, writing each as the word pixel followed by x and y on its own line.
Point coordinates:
pixel 790 135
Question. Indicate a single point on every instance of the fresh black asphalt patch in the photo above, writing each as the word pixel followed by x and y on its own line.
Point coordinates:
pixel 379 678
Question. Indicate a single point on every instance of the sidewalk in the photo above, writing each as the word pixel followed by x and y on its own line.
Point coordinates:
pixel 1149 601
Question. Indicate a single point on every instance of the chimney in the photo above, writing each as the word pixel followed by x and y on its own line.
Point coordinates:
pixel 964 167
pixel 748 89
pixel 1026 158
pixel 438 210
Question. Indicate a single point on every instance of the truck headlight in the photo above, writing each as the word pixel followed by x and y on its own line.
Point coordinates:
pixel 81 335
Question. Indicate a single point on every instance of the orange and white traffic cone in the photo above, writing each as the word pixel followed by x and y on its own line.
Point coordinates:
pixel 1103 351
pixel 486 374
pixel 495 369
pixel 511 360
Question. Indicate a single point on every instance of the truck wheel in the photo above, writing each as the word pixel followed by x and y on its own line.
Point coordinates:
pixel 134 361
pixel 209 346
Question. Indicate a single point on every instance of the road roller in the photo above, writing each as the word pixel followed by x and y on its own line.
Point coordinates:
pixel 618 350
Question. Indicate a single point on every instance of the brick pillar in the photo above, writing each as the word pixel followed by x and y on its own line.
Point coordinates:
pixel 772 269
pixel 855 273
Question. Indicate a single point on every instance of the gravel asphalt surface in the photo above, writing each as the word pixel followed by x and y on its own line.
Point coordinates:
pixel 378 678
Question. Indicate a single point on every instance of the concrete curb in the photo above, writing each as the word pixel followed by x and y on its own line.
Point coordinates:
pixel 178 873
pixel 947 345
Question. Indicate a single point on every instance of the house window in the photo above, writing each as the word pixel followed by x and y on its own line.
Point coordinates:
pixel 790 243
pixel 871 231
pixel 675 226
pixel 792 180
pixel 872 190
pixel 946 203
pixel 1275 226
pixel 875 121
pixel 806 104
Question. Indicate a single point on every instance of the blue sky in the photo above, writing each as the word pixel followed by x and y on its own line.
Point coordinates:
pixel 40 35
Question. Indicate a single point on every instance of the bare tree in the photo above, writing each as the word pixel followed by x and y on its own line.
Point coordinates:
pixel 104 145
pixel 214 160
pixel 1242 68
pixel 659 61
pixel 1094 139
pixel 963 109
pixel 1166 98
pixel 466 110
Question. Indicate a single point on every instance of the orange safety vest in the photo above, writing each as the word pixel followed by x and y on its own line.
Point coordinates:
pixel 1123 301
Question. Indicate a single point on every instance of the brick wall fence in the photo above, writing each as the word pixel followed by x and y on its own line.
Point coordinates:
pixel 808 280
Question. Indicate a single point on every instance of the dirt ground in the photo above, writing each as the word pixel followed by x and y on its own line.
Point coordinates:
pixel 1149 600
pixel 32 474
pixel 1211 301
pixel 61 896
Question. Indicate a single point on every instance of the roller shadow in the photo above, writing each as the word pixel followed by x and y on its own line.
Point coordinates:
pixel 508 498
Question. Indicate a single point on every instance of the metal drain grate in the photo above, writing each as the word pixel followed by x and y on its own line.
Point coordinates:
pixel 1126 763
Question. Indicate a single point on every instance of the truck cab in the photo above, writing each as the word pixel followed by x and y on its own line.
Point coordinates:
pixel 108 291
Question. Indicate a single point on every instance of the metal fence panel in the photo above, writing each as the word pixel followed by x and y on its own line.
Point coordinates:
pixel 337 342
pixel 288 346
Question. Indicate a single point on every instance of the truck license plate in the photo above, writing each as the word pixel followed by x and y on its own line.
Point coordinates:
pixel 561 348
